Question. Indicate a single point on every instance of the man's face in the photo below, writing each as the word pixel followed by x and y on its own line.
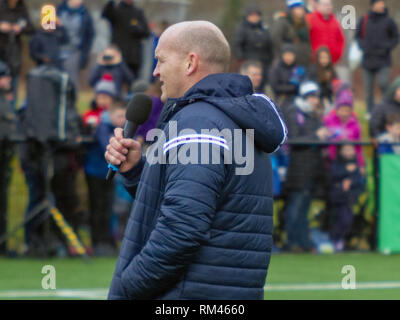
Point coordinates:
pixel 325 7
pixel 288 58
pixel 254 17
pixel 313 101
pixel 255 75
pixel 379 6
pixel 170 69
pixel 5 83
pixel 298 13
pixel 74 3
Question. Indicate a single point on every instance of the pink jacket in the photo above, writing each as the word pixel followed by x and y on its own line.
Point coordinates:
pixel 350 131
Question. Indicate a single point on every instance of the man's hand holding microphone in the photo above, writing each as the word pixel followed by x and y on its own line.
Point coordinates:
pixel 123 153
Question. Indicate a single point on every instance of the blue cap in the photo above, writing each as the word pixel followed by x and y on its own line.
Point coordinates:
pixel 294 3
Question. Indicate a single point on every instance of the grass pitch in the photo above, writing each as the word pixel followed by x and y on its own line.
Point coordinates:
pixel 290 276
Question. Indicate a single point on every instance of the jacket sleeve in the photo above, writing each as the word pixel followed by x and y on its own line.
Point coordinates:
pixel 393 36
pixel 359 37
pixel 87 41
pixel 340 43
pixel 131 178
pixel 109 11
pixel 377 120
pixel 127 74
pixel 238 43
pixel 95 75
pixel 187 211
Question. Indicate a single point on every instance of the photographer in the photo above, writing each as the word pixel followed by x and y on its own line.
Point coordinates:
pixel 110 62
pixel 6 148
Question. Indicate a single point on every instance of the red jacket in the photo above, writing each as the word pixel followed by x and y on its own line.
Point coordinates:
pixel 326 33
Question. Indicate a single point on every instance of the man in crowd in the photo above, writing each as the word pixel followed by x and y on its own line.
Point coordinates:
pixel 325 30
pixel 78 24
pixel 194 227
pixel 129 27
pixel 377 35
pixel 306 167
pixel 253 42
pixel 252 69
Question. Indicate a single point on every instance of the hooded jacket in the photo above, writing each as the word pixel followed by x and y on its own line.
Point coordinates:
pixel 326 32
pixel 201 231
pixel 388 107
pixel 350 131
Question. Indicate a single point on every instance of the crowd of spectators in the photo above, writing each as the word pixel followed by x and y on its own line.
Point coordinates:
pixel 294 60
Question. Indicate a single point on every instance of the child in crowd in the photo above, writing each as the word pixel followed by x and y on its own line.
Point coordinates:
pixel 323 73
pixel 101 191
pixel 347 183
pixel 285 77
pixel 392 135
pixel 105 93
pixel 343 123
pixel 110 62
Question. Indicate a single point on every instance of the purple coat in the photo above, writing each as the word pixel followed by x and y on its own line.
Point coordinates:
pixel 151 122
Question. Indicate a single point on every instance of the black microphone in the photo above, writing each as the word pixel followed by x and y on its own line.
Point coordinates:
pixel 139 109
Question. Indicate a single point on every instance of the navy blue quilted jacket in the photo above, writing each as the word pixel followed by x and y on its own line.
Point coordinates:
pixel 202 231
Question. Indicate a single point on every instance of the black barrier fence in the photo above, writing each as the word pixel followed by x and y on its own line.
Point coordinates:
pixel 364 235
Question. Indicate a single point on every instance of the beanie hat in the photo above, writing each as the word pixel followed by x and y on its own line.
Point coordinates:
pixel 106 85
pixel 294 3
pixel 344 98
pixel 373 2
pixel 288 47
pixel 308 88
pixel 252 8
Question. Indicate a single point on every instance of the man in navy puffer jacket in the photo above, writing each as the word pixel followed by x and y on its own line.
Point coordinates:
pixel 199 230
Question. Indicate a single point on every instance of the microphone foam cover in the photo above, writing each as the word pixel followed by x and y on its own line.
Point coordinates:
pixel 139 108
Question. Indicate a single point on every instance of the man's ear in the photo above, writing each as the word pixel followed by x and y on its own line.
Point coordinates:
pixel 192 63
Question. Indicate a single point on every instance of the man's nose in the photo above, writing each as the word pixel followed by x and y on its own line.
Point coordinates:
pixel 156 72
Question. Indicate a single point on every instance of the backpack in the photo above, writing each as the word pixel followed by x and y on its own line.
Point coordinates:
pixel 50 113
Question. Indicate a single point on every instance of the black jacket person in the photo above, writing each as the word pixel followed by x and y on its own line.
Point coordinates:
pixel 129 27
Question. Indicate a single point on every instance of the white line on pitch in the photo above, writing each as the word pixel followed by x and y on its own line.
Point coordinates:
pixel 331 286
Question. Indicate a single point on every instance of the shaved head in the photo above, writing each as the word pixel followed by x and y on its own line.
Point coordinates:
pixel 186 53
pixel 203 38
